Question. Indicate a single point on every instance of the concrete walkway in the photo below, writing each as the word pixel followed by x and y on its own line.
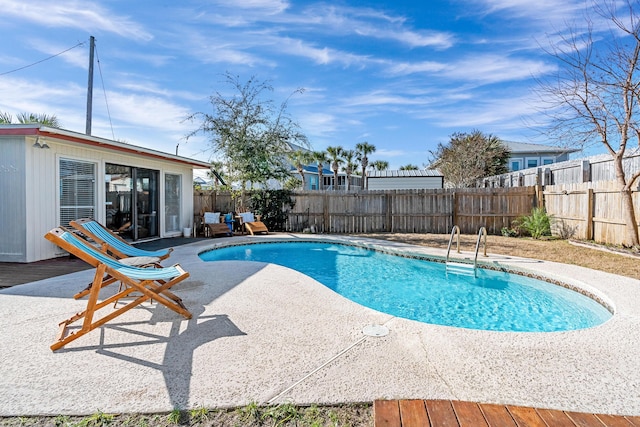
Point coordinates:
pixel 266 334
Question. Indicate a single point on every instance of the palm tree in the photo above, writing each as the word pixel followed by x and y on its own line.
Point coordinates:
pixel 334 155
pixel 321 158
pixel 30 118
pixel 43 119
pixel 349 165
pixel 409 167
pixel 300 158
pixel 5 118
pixel 379 165
pixel 364 149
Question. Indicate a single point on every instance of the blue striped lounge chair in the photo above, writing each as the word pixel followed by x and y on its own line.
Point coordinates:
pixel 113 244
pixel 151 283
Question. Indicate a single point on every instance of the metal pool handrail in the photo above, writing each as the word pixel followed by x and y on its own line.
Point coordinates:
pixel 481 232
pixel 454 231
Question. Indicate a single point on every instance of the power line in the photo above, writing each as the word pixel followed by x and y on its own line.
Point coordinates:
pixel 43 60
pixel 104 91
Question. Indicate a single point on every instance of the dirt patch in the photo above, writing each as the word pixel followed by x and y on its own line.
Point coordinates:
pixel 590 255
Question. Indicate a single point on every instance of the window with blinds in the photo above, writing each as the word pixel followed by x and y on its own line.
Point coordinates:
pixel 77 190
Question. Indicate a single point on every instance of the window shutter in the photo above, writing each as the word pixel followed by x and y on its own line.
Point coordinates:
pixel 77 190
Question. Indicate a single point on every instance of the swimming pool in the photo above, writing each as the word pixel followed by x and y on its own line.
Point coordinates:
pixel 422 290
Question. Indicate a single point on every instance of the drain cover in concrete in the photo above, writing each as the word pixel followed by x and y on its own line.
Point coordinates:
pixel 375 330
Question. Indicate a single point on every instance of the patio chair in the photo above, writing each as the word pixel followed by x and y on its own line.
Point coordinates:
pixel 152 283
pixel 252 224
pixel 113 244
pixel 212 221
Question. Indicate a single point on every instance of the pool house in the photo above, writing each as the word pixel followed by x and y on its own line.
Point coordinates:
pixel 50 176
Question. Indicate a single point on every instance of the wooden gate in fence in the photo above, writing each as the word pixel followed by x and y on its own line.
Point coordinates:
pixel 590 210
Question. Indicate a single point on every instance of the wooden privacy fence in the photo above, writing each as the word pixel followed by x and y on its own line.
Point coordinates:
pixel 410 211
pixel 590 210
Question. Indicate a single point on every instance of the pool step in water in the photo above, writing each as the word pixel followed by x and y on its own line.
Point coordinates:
pixel 461 269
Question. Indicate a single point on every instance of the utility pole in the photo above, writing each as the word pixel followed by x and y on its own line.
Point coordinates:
pixel 92 45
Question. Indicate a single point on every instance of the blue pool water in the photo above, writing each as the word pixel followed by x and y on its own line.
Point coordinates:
pixel 422 290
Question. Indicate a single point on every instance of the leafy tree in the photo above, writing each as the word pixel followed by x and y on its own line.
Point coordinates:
pixel 595 96
pixel 363 149
pixel 321 159
pixel 409 167
pixel 273 206
pixel 300 158
pixel 379 165
pixel 334 155
pixel 470 156
pixel 251 134
pixel 349 165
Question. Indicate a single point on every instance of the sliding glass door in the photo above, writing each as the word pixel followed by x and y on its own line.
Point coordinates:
pixel 132 198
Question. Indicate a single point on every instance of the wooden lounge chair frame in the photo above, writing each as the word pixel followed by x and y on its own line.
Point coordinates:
pixel 152 283
pixel 253 227
pixel 113 244
pixel 256 227
pixel 217 228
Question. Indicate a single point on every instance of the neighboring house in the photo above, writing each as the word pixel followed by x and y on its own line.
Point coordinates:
pixel 525 155
pixel 50 176
pixel 405 179
pixel 312 178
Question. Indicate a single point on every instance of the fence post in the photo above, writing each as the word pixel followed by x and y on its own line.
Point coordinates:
pixel 325 213
pixel 590 214
pixel 388 212
pixel 586 171
pixel 454 212
pixel 539 196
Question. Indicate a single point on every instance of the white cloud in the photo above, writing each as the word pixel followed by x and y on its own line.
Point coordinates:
pixel 270 7
pixel 39 96
pixel 405 68
pixel 383 97
pixel 78 57
pixel 86 16
pixel 493 68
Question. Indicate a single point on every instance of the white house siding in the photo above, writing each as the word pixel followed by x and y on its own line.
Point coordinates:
pixel 12 199
pixel 404 183
pixel 41 192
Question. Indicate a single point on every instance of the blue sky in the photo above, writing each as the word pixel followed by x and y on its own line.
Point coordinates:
pixel 402 75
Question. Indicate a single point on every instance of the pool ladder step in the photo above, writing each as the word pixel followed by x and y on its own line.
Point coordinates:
pixel 464 268
pixel 461 268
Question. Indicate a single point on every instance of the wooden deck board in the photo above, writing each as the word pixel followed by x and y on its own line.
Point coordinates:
pixel 386 413
pixel 524 416
pixel 469 414
pixel 441 413
pixel 555 418
pixel 445 413
pixel 413 413
pixel 612 421
pixel 497 415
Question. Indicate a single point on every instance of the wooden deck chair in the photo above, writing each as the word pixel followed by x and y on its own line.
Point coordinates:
pixel 152 283
pixel 113 244
pixel 212 221
pixel 251 224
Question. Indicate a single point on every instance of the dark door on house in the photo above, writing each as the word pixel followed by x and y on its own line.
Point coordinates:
pixel 132 201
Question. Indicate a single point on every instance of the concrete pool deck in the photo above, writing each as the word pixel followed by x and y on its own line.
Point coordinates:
pixel 267 334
